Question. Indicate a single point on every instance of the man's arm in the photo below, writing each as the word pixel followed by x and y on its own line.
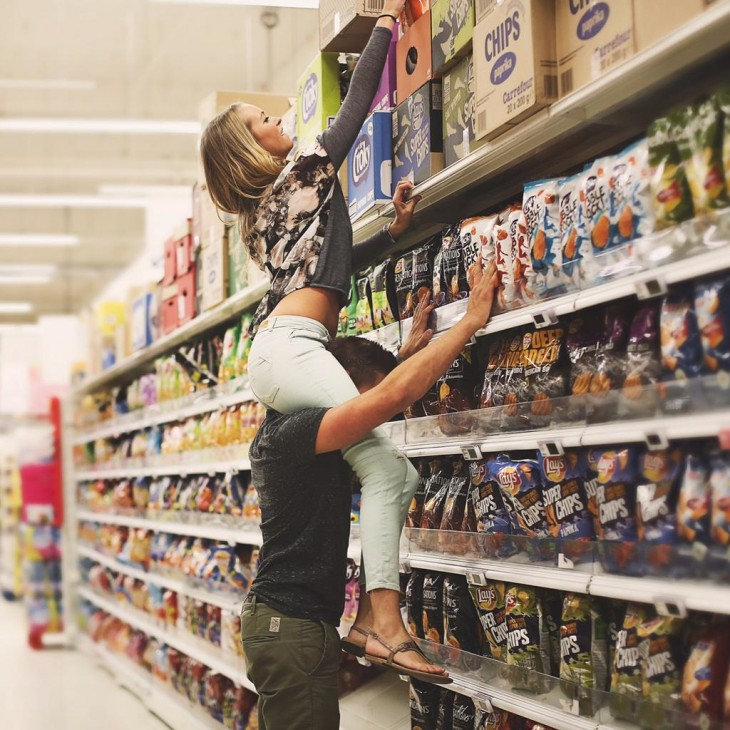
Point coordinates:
pixel 348 423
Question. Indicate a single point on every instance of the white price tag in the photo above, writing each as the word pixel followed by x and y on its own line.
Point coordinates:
pixel 405 567
pixel 546 318
pixel 471 453
pixel 651 288
pixel 699 551
pixel 564 562
pixel 551 448
pixel 484 703
pixel 476 579
pixel 656 441
pixel 670 606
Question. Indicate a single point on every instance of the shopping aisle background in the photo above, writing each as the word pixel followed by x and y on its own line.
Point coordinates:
pixel 59 689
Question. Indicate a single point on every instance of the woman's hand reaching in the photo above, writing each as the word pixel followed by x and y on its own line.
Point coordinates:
pixel 404 206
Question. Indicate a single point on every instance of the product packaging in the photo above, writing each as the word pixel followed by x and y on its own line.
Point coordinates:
pixel 463 630
pixel 424 700
pixel 712 307
pixel 452 28
pixel 345 25
pixel 433 607
pixel 418 141
pixel 459 111
pixel 457 395
pixel 492 519
pixel 524 621
pixel 594 224
pixel 382 291
pixel 656 19
pixel 541 209
pixel 570 226
pixel 626 676
pixel 386 97
pixel 695 502
pixel 414 603
pixel 413 62
pixel 490 604
pixel 318 94
pixel 363 312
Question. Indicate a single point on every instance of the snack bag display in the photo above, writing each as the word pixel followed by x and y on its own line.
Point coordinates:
pixel 541 209
pixel 626 674
pixel 524 272
pixel 363 312
pixel 670 189
pixel 694 504
pixel 423 258
pixel 545 372
pixel 712 305
pixel 464 713
pixel 347 326
pixel 414 603
pixel 631 210
pixel 433 607
pixel 643 368
pixel 437 490
pixel 244 345
pixel 703 680
pixel 489 601
pixel 662 655
pixel 424 699
pixel 450 275
pixel 491 517
pixel 403 277
pixel 227 369
pixel 723 101
pixel 455 507
pixel 570 224
pixel 701 148
pixel 462 628
pixel 583 650
pixel 382 285
pixel 445 710
pixel 566 502
pixel 496 720
pixel 523 615
pixel 413 519
pixel 681 347
pixel 504 387
pixel 720 486
pixel 457 394
pixel 594 223
pixel 617 471
pixel 477 240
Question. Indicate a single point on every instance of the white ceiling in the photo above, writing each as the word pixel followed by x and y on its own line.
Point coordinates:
pixel 146 61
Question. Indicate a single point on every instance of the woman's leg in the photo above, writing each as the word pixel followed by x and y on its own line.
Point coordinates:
pixel 290 369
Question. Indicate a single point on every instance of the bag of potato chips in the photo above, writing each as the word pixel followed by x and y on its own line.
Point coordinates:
pixel 489 600
pixel 524 620
pixel 462 628
pixel 632 214
pixel 414 603
pixel 626 677
pixel 594 222
pixel 541 209
pixel 433 607
pixel 570 212
pixel 424 699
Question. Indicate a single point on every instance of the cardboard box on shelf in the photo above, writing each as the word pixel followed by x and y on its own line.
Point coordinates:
pixel 369 165
pixel 413 58
pixel 345 25
pixel 418 140
pixel 218 101
pixel 482 8
pixel 289 124
pixel 237 260
pixel 170 262
pixel 143 328
pixel 452 30
pixel 459 111
pixel 386 96
pixel 318 97
pixel 514 64
pixel 214 280
pixel 656 19
pixel 168 316
pixel 593 37
pixel 186 297
pixel 184 255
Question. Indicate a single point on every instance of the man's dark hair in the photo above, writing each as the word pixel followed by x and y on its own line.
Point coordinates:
pixel 363 359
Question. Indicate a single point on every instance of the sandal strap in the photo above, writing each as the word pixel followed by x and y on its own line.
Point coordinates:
pixel 405 646
pixel 411 646
pixel 360 631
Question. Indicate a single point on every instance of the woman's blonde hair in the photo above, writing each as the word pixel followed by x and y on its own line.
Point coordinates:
pixel 239 172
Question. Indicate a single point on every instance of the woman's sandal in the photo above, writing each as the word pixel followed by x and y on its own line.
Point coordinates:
pixel 390 662
pixel 352 647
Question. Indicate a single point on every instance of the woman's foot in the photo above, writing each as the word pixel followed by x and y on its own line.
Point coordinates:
pixel 381 643
pixel 355 641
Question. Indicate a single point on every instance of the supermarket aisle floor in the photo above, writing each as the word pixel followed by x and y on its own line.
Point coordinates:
pixel 59 689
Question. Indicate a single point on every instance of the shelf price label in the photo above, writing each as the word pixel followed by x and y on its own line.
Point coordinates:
pixel 651 288
pixel 670 606
pixel 551 448
pixel 546 318
pixel 471 453
pixel 476 578
pixel 656 441
pixel 484 703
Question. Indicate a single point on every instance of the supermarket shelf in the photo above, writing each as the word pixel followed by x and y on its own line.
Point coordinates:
pixel 684 594
pixel 194 648
pixel 242 535
pixel 614 107
pixel 171 707
pixel 206 321
pixel 226 602
pixel 703 425
pixel 173 469
pixel 176 410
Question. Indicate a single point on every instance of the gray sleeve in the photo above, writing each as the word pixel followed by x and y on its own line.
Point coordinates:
pixel 338 139
pixel 365 253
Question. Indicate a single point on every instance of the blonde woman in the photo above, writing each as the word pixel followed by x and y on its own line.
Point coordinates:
pixel 296 226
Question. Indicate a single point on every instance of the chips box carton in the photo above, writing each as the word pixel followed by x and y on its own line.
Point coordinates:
pixel 318 98
pixel 385 98
pixel 369 165
pixel 413 58
pixel 452 30
pixel 237 260
pixel 459 111
pixel 214 280
pixel 186 297
pixel 345 25
pixel 514 64
pixel 656 19
pixel 594 36
pixel 144 320
pixel 418 140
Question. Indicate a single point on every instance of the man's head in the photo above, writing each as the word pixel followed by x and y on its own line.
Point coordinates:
pixel 366 362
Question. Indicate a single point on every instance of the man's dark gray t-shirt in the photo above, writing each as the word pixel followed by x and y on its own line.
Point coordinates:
pixel 305 518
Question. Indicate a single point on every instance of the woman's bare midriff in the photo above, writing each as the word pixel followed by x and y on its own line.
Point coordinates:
pixel 313 302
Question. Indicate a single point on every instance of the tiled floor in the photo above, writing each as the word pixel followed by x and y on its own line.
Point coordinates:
pixel 58 689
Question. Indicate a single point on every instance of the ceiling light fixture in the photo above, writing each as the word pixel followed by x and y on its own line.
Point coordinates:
pixel 98 126
pixel 303 4
pixel 38 239
pixel 26 274
pixel 15 307
pixel 70 201
pixel 49 84
pixel 157 191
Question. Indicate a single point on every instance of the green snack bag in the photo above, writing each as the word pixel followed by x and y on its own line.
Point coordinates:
pixel 626 682
pixel 347 326
pixel 489 600
pixel 583 651
pixel 382 288
pixel 723 102
pixel 670 190
pixel 524 619
pixel 363 310
pixel 227 369
pixel 244 345
pixel 662 655
pixel 700 147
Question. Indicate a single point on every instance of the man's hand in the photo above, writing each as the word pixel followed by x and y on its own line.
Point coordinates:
pixel 404 208
pixel 420 335
pixel 393 7
pixel 481 299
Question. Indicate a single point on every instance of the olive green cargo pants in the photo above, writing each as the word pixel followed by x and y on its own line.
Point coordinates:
pixel 293 664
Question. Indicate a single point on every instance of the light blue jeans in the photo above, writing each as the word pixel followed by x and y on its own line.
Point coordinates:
pixel 289 369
